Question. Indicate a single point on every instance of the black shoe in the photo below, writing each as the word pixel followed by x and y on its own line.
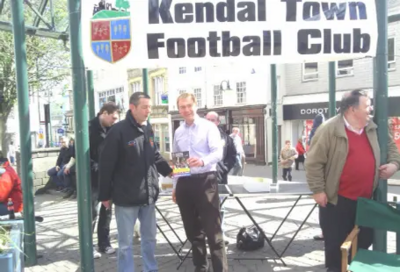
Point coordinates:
pixel 68 194
pixel 73 195
pixel 319 237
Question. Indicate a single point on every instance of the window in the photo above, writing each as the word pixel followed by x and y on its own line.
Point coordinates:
pixel 310 71
pixel 167 146
pixel 197 94
pixel 156 136
pixel 135 86
pixel 241 92
pixel 182 70
pixel 344 68
pixel 391 54
pixel 158 85
pixel 197 69
pixel 109 95
pixel 217 95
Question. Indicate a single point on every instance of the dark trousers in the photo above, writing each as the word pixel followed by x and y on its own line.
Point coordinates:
pixel 287 174
pixel 103 225
pixel 56 176
pixel 337 221
pixel 199 205
pixel 300 159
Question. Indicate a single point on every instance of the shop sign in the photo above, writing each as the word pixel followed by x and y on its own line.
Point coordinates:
pixel 395 129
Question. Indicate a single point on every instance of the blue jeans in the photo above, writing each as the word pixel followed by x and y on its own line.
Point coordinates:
pixel 126 219
pixel 54 175
pixel 236 170
pixel 64 178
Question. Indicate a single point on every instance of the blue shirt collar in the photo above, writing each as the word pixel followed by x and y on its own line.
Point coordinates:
pixel 195 122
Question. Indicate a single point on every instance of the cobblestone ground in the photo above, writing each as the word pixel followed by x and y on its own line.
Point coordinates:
pixel 58 237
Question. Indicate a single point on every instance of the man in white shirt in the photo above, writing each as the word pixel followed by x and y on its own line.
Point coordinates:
pixel 237 140
pixel 11 153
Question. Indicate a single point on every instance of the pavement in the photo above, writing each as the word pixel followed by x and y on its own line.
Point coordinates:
pixel 58 236
pixel 252 170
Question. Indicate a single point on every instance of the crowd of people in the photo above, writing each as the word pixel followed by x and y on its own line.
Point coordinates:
pixel 126 164
pixel 125 169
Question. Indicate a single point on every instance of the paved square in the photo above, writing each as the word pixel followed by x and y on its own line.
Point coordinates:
pixel 58 236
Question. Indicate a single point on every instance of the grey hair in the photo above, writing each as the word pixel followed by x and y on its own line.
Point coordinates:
pixel 351 99
pixel 213 113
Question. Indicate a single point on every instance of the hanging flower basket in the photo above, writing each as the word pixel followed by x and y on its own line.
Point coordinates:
pixel 164 98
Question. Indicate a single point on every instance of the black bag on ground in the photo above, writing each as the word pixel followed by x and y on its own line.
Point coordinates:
pixel 249 239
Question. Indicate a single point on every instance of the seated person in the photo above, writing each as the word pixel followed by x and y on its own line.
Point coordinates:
pixel 57 173
pixel 10 187
pixel 69 169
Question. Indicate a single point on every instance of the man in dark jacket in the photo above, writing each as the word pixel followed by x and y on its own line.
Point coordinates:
pixel 227 162
pixel 57 173
pixel 128 176
pixel 98 128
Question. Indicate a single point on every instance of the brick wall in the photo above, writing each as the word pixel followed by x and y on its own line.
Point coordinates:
pixel 42 161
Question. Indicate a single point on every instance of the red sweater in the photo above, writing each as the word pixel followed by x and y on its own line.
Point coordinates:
pixel 300 149
pixel 358 174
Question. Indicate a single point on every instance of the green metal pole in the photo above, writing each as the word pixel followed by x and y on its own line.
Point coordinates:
pixel 381 109
pixel 145 78
pixel 81 138
pixel 17 9
pixel 332 89
pixel 274 101
pixel 50 127
pixel 92 112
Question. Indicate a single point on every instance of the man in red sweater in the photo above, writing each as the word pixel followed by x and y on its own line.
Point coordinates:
pixel 10 187
pixel 343 164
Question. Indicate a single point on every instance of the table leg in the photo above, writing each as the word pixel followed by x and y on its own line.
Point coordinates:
pixel 302 224
pixel 169 225
pixel 287 215
pixel 260 229
pixel 184 258
pixel 169 242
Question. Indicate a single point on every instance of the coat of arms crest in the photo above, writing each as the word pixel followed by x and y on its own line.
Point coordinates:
pixel 111 34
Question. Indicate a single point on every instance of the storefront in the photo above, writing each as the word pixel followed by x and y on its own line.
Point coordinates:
pixel 250 121
pixel 298 118
pixel 160 123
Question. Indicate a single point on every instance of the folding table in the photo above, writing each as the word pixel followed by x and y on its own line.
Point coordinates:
pixel 236 189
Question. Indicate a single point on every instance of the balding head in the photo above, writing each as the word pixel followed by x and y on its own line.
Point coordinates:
pixel 213 117
pixel 356 107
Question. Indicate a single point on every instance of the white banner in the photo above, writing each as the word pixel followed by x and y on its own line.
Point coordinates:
pixel 165 33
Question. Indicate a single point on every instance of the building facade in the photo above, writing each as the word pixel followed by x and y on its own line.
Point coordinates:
pixel 307 86
pixel 111 86
pixel 237 94
pixel 158 91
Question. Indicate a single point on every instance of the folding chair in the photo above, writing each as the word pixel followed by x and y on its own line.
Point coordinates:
pixel 375 215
